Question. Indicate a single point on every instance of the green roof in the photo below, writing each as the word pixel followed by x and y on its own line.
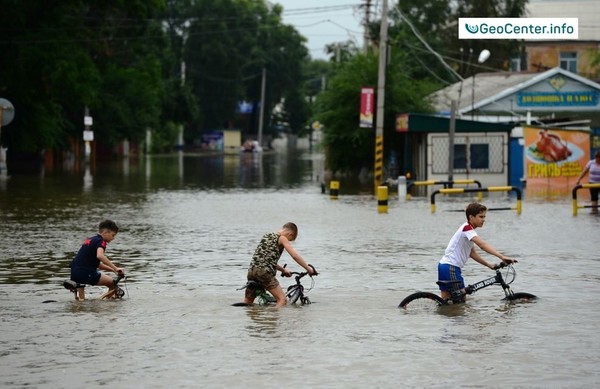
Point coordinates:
pixel 427 123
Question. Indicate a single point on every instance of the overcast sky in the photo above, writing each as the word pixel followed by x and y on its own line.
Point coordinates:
pixel 325 21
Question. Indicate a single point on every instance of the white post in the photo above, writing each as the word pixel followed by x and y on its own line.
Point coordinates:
pixel 402 188
pixel 148 140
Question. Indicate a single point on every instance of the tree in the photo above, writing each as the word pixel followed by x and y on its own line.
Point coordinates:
pixel 350 148
pixel 435 22
pixel 69 55
pixel 225 57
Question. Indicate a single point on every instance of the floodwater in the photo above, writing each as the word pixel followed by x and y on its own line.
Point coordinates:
pixel 189 226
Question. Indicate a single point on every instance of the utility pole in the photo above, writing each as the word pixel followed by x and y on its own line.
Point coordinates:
pixel 378 171
pixel 366 35
pixel 261 117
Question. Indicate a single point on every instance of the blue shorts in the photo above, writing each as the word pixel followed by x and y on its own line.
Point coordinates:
pixel 85 275
pixel 448 272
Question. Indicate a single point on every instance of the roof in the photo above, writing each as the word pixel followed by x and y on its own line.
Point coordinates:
pixel 436 124
pixel 475 89
pixel 491 88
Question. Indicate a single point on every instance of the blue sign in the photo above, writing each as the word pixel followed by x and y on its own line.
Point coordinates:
pixel 557 99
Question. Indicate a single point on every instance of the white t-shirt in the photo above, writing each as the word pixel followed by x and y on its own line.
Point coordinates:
pixel 459 248
pixel 594 171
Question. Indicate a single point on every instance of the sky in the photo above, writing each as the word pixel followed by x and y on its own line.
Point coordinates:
pixel 325 21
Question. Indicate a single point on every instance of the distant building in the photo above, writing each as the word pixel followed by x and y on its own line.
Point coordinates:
pixel 574 55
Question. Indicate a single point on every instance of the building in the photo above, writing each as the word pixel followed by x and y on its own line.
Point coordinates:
pixel 575 56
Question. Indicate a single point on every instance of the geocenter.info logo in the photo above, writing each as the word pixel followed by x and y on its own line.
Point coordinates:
pixel 518 28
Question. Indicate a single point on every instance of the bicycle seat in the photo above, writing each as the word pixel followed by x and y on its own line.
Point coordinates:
pixel 72 285
pixel 252 285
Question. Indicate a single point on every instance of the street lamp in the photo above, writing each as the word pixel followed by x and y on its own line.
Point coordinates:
pixel 483 56
pixel 455 105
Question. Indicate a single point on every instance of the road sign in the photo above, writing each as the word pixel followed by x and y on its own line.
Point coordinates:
pixel 8 111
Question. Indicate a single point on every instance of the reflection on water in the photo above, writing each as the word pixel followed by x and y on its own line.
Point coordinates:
pixel 189 225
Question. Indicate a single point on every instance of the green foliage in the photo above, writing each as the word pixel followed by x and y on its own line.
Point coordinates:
pixel 225 57
pixel 68 55
pixel 436 21
pixel 350 148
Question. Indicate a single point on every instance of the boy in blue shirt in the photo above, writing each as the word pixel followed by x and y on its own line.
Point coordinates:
pixel 92 256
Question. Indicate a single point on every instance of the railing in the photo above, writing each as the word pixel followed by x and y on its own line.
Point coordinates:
pixel 446 184
pixel 488 189
pixel 581 186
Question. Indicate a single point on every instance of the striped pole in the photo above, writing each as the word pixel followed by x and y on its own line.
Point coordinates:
pixel 334 187
pixel 382 199
pixel 378 176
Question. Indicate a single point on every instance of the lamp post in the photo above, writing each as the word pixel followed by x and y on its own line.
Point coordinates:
pixel 455 105
pixel 383 31
pixel 483 56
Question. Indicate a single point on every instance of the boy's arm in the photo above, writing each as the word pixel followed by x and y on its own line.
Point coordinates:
pixel 104 267
pixel 479 259
pixel 106 262
pixel 294 254
pixel 284 272
pixel 488 249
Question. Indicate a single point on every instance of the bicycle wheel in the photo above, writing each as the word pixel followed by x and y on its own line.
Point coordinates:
pixel 293 293
pixel 421 300
pixel 509 274
pixel 521 296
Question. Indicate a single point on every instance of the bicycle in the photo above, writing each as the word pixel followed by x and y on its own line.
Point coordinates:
pixel 424 299
pixel 114 293
pixel 293 293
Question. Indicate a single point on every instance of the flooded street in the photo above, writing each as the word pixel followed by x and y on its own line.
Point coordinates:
pixel 189 226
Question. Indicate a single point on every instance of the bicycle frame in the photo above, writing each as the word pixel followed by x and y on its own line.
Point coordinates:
pixel 113 293
pixel 293 293
pixel 459 295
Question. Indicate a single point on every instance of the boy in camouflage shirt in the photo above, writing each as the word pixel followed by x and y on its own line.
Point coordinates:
pixel 263 266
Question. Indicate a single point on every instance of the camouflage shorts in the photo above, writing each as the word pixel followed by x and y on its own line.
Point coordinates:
pixel 264 276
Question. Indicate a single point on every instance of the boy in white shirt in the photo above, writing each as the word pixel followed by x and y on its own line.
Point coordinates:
pixel 461 248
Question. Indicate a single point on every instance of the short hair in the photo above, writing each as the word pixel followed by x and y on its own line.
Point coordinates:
pixel 597 154
pixel 108 225
pixel 292 227
pixel 474 209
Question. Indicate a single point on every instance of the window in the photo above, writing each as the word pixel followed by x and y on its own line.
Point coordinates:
pixel 515 64
pixel 473 153
pixel 479 154
pixel 460 157
pixel 568 61
pixel 478 157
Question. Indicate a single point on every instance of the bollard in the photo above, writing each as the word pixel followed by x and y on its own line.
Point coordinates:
pixel 334 188
pixel 382 199
pixel 402 188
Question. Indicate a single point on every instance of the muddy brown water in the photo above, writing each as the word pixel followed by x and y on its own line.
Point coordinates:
pixel 189 225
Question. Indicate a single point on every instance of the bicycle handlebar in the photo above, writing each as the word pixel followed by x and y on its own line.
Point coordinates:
pixel 302 274
pixel 504 264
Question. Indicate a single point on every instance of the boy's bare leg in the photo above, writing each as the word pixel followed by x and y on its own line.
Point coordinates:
pixel 249 296
pixel 280 298
pixel 80 294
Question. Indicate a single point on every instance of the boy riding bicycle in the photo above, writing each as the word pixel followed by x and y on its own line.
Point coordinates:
pixel 263 266
pixel 461 248
pixel 91 257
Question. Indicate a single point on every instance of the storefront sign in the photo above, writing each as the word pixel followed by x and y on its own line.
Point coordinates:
pixel 554 158
pixel 557 99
